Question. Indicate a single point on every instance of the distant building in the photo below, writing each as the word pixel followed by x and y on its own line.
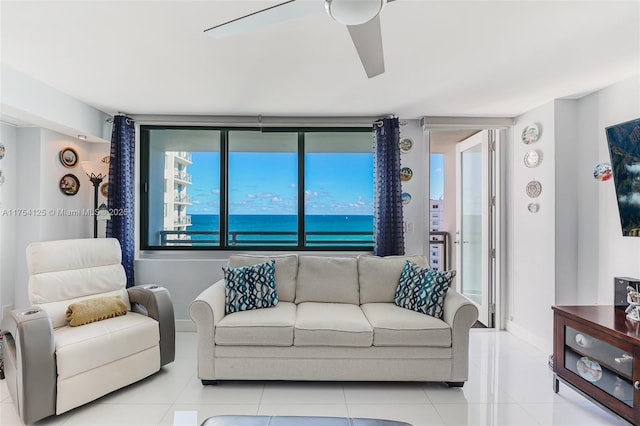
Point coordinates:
pixel 436 250
pixel 176 198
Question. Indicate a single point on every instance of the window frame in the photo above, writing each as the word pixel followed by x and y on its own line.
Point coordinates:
pixel 224 190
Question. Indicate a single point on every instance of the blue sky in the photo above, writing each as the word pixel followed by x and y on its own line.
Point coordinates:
pixel 436 178
pixel 335 183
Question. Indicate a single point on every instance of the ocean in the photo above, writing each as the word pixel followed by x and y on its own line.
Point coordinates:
pixel 343 230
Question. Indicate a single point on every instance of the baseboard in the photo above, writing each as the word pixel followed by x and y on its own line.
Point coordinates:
pixel 185 325
pixel 526 335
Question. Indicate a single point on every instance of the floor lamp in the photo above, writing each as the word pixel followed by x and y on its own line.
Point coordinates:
pixel 97 171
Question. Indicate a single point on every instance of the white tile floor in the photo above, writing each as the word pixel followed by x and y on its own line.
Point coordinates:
pixel 509 384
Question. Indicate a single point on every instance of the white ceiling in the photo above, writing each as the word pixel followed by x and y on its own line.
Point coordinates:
pixel 453 58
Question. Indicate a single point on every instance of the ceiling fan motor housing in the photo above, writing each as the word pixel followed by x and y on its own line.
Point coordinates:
pixel 354 12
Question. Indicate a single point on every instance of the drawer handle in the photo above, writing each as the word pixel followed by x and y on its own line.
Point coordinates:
pixel 637 385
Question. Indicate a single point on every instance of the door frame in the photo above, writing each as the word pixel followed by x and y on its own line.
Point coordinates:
pixel 502 125
pixel 482 140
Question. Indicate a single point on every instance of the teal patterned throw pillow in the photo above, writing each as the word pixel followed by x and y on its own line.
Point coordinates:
pixel 423 290
pixel 250 287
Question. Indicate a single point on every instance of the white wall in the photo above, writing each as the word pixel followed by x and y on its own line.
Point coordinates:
pixel 570 251
pixel 37 187
pixel 531 236
pixel 617 255
pixel 414 213
pixel 7 220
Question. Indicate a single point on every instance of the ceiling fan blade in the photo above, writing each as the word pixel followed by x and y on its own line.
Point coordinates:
pixel 368 41
pixel 266 17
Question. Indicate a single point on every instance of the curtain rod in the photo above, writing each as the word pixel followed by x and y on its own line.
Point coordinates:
pixel 258 121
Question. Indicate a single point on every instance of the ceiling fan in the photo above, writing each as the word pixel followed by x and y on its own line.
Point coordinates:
pixel 362 18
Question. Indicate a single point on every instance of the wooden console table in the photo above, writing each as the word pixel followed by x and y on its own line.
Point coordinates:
pixel 596 351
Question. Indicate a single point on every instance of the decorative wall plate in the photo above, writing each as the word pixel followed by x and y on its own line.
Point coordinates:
pixel 530 134
pixel 534 189
pixel 532 158
pixel 69 157
pixel 602 172
pixel 533 207
pixel 1 151
pixel 406 174
pixel 405 145
pixel 69 184
pixel 406 198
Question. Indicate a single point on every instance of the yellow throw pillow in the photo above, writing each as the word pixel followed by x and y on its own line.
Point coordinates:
pixel 91 310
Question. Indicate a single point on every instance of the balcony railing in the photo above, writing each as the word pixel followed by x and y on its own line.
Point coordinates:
pixel 267 238
pixel 182 198
pixel 184 155
pixel 183 176
pixel 182 221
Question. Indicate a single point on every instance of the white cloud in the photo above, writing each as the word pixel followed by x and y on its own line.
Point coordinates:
pixel 276 199
pixel 633 198
pixel 633 168
pixel 215 191
pixel 251 196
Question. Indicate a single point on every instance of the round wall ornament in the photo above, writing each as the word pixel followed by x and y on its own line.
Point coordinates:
pixel 533 207
pixel 602 172
pixel 532 158
pixel 69 184
pixel 1 151
pixel 406 174
pixel 534 189
pixel 69 157
pixel 405 145
pixel 530 134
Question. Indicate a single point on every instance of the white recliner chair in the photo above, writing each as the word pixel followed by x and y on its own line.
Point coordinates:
pixel 51 367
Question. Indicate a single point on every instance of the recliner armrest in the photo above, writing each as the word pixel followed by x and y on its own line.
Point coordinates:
pixel 157 302
pixel 30 362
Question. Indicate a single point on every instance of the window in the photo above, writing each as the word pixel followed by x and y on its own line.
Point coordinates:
pixel 227 188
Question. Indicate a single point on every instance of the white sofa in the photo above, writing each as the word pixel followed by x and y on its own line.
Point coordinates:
pixel 336 320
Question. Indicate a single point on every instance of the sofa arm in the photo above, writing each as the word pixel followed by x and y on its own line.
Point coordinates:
pixel 30 362
pixel 206 311
pixel 157 302
pixel 460 313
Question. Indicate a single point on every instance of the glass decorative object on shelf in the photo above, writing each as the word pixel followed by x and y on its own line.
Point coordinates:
pixel 633 298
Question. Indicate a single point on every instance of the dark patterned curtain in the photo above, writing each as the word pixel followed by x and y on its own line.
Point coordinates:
pixel 121 191
pixel 388 218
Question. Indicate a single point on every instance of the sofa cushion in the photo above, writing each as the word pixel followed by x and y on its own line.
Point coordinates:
pixel 423 290
pixel 250 287
pixel 79 349
pixel 286 270
pixel 327 279
pixel 260 327
pixel 396 326
pixel 331 324
pixel 379 276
